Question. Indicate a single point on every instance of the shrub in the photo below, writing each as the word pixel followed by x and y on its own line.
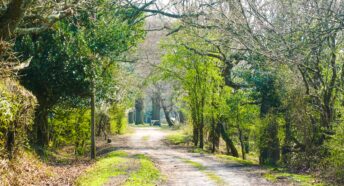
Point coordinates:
pixel 269 143
pixel 118 120
pixel 334 164
pixel 17 107
pixel 71 126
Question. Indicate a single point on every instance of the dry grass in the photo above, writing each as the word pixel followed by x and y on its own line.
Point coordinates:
pixel 28 169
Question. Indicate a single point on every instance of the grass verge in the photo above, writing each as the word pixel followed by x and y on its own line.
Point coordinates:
pixel 212 176
pixel 113 164
pixel 237 160
pixel 178 139
pixel 275 175
pixel 146 175
pixel 130 171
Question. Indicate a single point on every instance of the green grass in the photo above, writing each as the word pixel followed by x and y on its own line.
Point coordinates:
pixel 301 179
pixel 199 150
pixel 212 176
pixel 194 164
pixel 113 164
pixel 146 175
pixel 178 138
pixel 145 138
pixel 117 163
pixel 235 159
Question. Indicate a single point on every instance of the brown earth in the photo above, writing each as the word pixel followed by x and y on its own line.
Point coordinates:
pixel 174 165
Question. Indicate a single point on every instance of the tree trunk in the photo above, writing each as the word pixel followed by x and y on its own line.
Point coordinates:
pixel 201 124
pixel 139 111
pixel 214 135
pixel 242 143
pixel 286 149
pixel 93 142
pixel 10 141
pixel 231 149
pixel 195 135
pixel 167 114
pixel 131 117
pixel 247 143
pixel 241 137
pixel 42 126
pixel 155 108
pixel 181 117
pixel 99 125
pixel 201 138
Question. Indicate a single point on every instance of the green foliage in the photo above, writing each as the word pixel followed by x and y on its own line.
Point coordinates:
pixel 55 58
pixel 118 120
pixel 199 77
pixel 70 126
pixel 16 115
pixel 79 51
pixel 333 165
pixel 269 143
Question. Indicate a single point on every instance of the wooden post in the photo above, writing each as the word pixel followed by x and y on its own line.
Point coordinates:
pixel 93 143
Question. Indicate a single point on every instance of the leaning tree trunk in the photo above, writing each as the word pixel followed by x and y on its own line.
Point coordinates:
pixel 231 149
pixel 167 114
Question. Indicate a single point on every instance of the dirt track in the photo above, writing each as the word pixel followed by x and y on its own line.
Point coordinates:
pixel 173 163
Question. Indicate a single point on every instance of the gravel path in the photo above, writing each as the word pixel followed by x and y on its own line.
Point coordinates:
pixel 173 163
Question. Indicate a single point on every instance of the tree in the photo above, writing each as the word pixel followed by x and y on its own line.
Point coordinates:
pixel 63 73
pixel 197 75
pixel 156 106
pixel 139 105
pixel 19 17
pixel 78 54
